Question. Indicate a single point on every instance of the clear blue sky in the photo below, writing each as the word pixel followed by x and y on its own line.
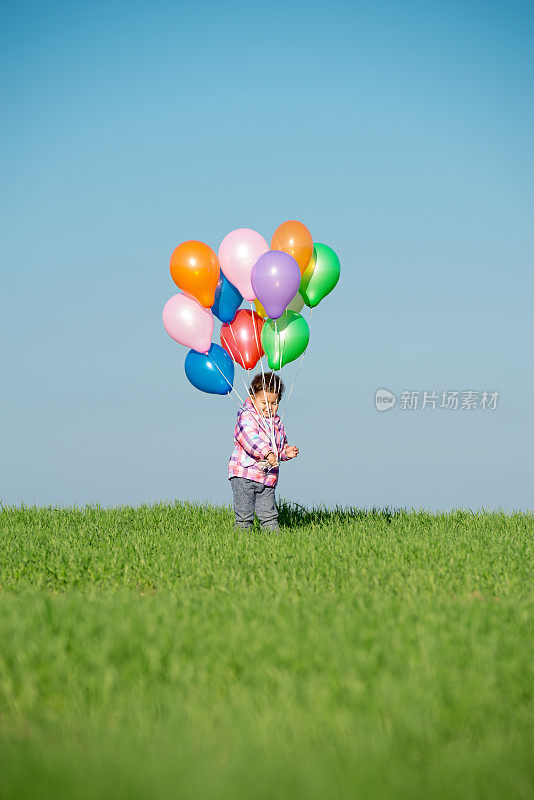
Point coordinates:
pixel 399 132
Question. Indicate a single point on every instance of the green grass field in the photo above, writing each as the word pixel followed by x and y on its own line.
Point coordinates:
pixel 153 652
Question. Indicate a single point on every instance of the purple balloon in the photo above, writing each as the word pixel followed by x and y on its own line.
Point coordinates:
pixel 275 279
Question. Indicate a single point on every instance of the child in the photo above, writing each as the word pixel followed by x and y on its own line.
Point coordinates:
pixel 253 467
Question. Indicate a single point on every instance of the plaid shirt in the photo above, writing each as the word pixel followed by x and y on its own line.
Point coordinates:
pixel 253 444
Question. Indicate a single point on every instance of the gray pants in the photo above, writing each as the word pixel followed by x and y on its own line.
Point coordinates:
pixel 250 496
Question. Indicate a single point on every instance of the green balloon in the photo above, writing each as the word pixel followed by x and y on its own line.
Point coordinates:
pixel 320 276
pixel 284 339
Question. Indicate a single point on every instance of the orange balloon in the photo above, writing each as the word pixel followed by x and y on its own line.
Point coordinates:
pixel 195 269
pixel 294 238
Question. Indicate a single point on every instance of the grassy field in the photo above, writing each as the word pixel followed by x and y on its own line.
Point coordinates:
pixel 153 652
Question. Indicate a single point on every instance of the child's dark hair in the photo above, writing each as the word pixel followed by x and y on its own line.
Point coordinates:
pixel 268 381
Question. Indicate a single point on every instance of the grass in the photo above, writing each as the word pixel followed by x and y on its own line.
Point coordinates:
pixel 154 652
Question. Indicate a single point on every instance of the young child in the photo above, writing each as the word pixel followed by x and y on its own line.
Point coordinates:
pixel 253 467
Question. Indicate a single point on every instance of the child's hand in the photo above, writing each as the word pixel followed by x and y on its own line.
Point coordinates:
pixel 271 458
pixel 291 451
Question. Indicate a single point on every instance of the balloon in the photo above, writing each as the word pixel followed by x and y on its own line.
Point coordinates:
pixel 238 253
pixel 320 276
pixel 260 309
pixel 297 304
pixel 285 339
pixel 294 238
pixel 188 323
pixel 275 280
pixel 227 300
pixel 195 269
pixel 242 338
pixel 211 372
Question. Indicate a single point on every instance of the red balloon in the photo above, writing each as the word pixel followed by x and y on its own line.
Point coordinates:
pixel 241 338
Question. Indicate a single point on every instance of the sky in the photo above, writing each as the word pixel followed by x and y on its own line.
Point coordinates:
pixel 400 133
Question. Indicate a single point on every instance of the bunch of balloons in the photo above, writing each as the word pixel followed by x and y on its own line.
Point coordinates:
pixel 277 282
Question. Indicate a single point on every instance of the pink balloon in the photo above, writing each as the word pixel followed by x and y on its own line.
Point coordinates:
pixel 238 253
pixel 188 323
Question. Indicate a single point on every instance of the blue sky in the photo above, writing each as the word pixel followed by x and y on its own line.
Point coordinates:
pixel 400 133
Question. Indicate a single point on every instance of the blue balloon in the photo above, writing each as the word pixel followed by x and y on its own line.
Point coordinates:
pixel 211 372
pixel 227 299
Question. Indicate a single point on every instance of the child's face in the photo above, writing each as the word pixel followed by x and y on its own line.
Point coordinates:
pixel 266 402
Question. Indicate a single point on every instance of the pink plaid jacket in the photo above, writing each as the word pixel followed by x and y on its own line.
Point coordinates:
pixel 253 444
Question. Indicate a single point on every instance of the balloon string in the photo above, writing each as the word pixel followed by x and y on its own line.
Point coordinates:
pixel 233 389
pixel 283 338
pixel 297 372
pixel 244 367
pixel 227 381
pixel 267 431
pixel 237 348
pixel 271 421
pixel 236 345
pixel 243 362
